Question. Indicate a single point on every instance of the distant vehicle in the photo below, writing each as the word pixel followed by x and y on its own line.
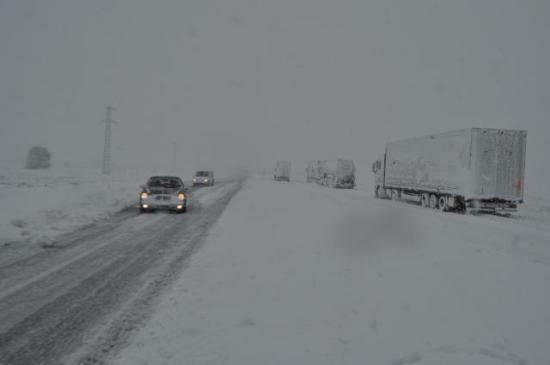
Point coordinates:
pixel 472 169
pixel 312 171
pixel 163 193
pixel 282 171
pixel 205 178
pixel 338 173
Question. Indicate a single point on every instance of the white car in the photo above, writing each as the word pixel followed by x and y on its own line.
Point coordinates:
pixel 163 193
pixel 203 178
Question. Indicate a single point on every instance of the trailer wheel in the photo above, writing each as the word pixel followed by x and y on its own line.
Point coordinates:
pixel 425 200
pixel 433 201
pixel 443 203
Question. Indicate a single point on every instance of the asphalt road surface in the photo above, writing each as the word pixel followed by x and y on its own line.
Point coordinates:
pixel 78 301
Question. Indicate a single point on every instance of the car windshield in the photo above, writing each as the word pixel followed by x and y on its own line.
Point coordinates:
pixel 202 173
pixel 164 182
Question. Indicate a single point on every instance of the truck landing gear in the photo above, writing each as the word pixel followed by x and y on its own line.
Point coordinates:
pixel 395 194
pixel 433 201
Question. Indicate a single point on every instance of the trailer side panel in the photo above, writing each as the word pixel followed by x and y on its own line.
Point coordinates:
pixel 438 163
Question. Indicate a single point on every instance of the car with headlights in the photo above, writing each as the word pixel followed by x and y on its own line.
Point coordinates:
pixel 204 178
pixel 163 193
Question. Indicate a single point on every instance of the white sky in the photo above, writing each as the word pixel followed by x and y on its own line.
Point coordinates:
pixel 251 81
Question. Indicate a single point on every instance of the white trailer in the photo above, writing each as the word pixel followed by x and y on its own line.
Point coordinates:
pixel 338 173
pixel 282 171
pixel 478 169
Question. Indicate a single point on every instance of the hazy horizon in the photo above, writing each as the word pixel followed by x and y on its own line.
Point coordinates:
pixel 233 82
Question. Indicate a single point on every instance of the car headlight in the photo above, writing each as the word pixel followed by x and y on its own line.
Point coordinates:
pixel 144 195
pixel 194 180
pixel 205 180
pixel 181 196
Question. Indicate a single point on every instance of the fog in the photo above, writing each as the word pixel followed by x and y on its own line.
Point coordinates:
pixel 223 83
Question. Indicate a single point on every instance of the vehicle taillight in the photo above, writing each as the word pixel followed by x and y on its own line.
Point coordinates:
pixel 519 187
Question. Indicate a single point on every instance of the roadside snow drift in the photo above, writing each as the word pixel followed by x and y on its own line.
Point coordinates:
pixel 295 273
pixel 38 205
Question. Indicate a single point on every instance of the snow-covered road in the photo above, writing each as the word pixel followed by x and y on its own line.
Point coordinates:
pixel 76 301
pixel 300 274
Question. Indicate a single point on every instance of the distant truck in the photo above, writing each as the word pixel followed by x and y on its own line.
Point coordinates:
pixel 282 171
pixel 338 173
pixel 472 169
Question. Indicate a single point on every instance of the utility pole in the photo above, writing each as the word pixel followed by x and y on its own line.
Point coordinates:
pixel 107 147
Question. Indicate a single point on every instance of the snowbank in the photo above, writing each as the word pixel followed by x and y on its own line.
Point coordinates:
pixel 295 273
pixel 38 205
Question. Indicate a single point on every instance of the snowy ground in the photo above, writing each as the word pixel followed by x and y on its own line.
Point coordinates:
pixel 300 274
pixel 77 302
pixel 38 205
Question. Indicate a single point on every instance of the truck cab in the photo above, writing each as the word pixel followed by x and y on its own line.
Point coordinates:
pixel 282 171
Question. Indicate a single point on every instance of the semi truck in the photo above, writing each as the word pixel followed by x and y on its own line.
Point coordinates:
pixel 282 171
pixel 475 169
pixel 338 173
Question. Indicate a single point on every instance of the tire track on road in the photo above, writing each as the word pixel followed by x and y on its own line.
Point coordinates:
pixel 90 305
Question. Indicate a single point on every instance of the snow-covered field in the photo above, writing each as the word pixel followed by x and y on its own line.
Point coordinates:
pixel 300 274
pixel 38 205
